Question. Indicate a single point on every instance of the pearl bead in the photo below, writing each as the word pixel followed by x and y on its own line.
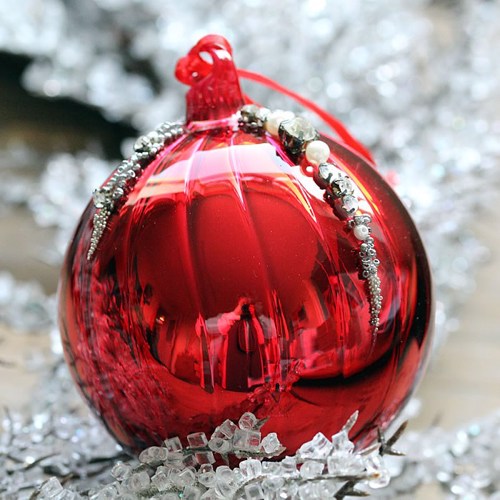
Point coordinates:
pixel 274 120
pixel 317 152
pixel 361 232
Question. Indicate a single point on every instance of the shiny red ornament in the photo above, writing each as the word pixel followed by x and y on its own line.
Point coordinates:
pixel 225 283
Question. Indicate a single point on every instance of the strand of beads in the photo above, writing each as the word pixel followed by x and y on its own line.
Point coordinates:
pixel 115 191
pixel 302 142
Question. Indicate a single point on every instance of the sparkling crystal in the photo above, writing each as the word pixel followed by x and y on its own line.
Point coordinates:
pixel 173 444
pixel 228 427
pixel 254 492
pixel 51 488
pixel 189 461
pixel 309 491
pixel 210 495
pixel 375 466
pixel 197 440
pixel 121 471
pixel 271 443
pixel 161 481
pixel 251 468
pixel 271 468
pixel 341 186
pixel 138 481
pixel 341 442
pixel 272 484
pixel 344 464
pixel 319 447
pixel 206 476
pixel 248 421
pixel 310 469
pixel 288 466
pixel 153 455
pixel 191 493
pixel 326 170
pixel 186 477
pixel 246 440
pixel 205 457
pixel 219 445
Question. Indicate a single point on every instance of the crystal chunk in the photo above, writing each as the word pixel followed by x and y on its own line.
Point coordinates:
pixel 153 455
pixel 173 444
pixel 341 442
pixel 204 457
pixel 251 468
pixel 310 469
pixel 51 488
pixel 121 471
pixel 197 440
pixel 191 493
pixel 344 464
pixel 319 447
pixel 210 495
pixel 375 466
pixel 248 421
pixel 186 477
pixel 161 481
pixel 270 443
pixel 289 466
pixel 271 468
pixel 219 445
pixel 246 440
pixel 227 428
pixel 309 491
pixel 206 476
pixel 254 492
pixel 138 481
pixel 272 484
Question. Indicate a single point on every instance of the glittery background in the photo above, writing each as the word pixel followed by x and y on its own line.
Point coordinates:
pixel 417 82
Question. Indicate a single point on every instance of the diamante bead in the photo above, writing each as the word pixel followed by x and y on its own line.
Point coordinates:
pixel 295 133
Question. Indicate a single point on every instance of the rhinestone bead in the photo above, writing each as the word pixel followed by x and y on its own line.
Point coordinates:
pixel 350 204
pixel 295 133
pixel 99 197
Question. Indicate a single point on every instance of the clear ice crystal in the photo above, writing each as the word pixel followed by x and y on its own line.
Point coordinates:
pixel 319 447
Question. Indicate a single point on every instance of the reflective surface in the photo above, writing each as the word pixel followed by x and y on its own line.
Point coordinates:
pixel 226 284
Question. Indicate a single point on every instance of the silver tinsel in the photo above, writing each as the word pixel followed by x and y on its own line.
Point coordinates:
pixel 418 82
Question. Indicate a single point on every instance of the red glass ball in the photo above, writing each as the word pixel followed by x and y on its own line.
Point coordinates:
pixel 226 284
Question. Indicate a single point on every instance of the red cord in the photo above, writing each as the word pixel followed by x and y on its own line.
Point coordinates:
pixel 332 122
pixel 215 88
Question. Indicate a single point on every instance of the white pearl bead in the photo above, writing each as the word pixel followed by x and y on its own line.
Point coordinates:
pixel 274 120
pixel 361 232
pixel 317 152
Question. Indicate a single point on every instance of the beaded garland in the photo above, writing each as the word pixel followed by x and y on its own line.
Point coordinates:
pixel 115 190
pixel 301 141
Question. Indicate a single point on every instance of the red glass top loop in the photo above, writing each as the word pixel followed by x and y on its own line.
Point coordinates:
pixel 215 88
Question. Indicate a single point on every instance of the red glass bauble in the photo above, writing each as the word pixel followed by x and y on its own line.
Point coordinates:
pixel 225 283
